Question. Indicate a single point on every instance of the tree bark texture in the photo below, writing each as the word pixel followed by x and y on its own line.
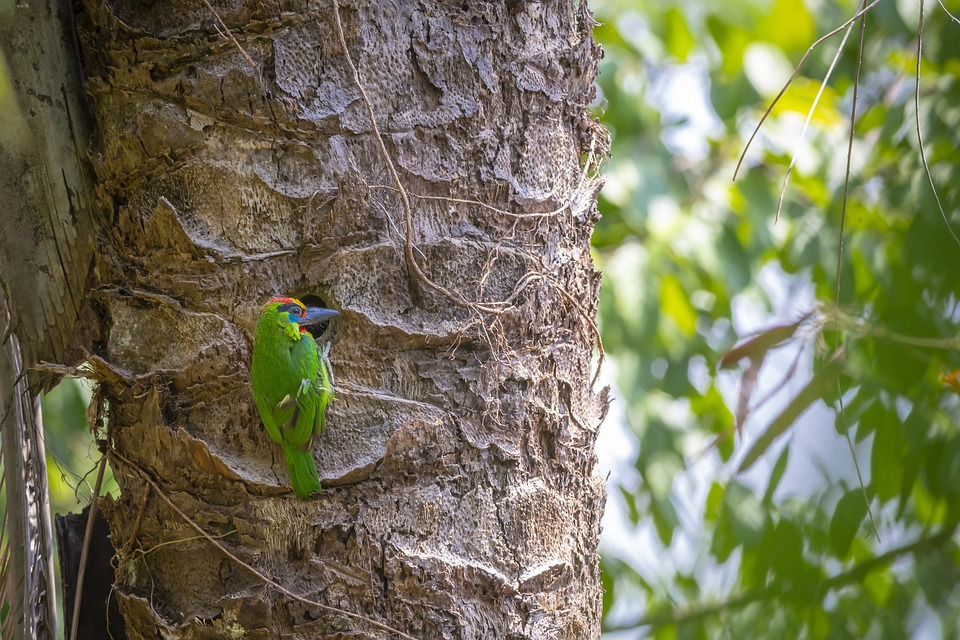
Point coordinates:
pixel 46 248
pixel 238 161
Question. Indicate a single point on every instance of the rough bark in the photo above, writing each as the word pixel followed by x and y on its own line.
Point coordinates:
pixel 462 500
pixel 46 246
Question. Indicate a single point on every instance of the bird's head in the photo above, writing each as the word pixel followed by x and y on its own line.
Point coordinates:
pixel 295 312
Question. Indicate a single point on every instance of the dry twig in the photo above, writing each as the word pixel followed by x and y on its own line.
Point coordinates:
pixel 91 516
pixel 229 34
pixel 793 75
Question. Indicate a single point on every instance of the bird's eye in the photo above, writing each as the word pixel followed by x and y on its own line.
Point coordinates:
pixel 295 310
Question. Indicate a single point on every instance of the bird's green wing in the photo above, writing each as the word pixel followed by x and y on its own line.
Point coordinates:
pixel 324 390
pixel 300 414
pixel 281 419
pixel 300 426
pixel 267 416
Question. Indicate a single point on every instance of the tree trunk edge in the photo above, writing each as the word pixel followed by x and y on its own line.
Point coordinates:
pixel 431 431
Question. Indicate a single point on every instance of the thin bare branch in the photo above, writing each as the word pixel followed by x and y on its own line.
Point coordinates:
pixel 856 464
pixel 846 175
pixel 860 328
pixel 947 11
pixel 772 591
pixel 793 75
pixel 84 552
pixel 916 109
pixel 229 34
pixel 843 220
pixel 806 123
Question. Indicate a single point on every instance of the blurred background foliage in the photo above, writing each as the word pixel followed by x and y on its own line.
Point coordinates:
pixel 727 516
pixel 72 455
pixel 718 317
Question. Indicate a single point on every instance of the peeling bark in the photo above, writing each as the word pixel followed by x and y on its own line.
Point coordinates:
pixel 462 500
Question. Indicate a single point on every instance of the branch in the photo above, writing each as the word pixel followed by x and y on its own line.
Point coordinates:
pixel 916 110
pixel 793 75
pixel 697 610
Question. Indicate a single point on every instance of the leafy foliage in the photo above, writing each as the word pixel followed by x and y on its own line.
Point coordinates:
pixel 72 454
pixel 719 318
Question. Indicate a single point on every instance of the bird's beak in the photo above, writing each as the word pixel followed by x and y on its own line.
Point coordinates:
pixel 316 315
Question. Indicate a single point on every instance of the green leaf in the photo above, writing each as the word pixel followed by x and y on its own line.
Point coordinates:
pixel 755 565
pixel 631 501
pixel 714 501
pixel 933 576
pixel 658 461
pixel 676 304
pixel 664 519
pixel 608 583
pixel 746 514
pixel 788 25
pixel 776 475
pixel 929 509
pixel 722 542
pixel 818 623
pixel 823 381
pixel 879 586
pixel 712 411
pixel 798 99
pixel 950 468
pixel 886 471
pixel 742 521
pixel 665 632
pixel 847 517
pixel 732 41
pixel 868 422
pixel 788 562
pixel 679 39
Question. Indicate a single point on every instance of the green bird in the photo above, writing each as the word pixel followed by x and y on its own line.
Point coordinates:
pixel 292 384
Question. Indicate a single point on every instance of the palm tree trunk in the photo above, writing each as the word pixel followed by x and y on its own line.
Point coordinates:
pixel 428 181
pixel 46 247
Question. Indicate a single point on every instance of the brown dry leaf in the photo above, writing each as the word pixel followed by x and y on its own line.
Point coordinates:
pixel 747 383
pixel 762 342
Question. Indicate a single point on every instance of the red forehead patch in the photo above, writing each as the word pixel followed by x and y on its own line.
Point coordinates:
pixel 285 301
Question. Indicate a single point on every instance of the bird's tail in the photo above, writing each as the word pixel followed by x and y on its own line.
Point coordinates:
pixel 303 471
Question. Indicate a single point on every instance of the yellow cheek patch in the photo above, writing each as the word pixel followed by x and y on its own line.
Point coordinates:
pixel 292 331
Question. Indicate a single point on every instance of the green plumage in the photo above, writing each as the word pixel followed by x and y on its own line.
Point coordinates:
pixel 292 385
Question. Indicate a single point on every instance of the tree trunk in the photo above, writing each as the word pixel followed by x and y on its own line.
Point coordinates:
pixel 46 247
pixel 239 159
